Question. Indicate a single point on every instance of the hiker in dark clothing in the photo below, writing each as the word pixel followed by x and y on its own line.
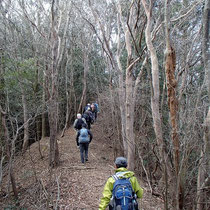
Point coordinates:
pixel 84 137
pixel 86 108
pixel 94 112
pixel 96 107
pixel 78 122
pixel 88 117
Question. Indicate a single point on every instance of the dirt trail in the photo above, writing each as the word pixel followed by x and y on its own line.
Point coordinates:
pixel 72 185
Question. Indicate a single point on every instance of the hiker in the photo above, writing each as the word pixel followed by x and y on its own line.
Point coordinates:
pixel 94 111
pixel 78 122
pixel 121 189
pixel 96 107
pixel 88 117
pixel 86 107
pixel 84 137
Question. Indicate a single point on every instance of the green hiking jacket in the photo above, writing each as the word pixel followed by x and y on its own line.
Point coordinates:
pixel 107 193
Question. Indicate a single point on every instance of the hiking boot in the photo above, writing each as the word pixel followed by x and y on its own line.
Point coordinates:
pixel 86 159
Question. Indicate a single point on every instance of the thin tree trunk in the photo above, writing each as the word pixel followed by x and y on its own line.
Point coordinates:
pixel 121 92
pixel 44 101
pixel 129 100
pixel 204 165
pixel 53 97
pixel 36 89
pixel 130 85
pixel 155 81
pixel 67 97
pixel 26 122
pixel 130 120
pixel 5 133
pixel 205 42
pixel 86 69
pixel 155 96
pixel 97 86
pixel 52 113
pixel 6 136
pixel 114 122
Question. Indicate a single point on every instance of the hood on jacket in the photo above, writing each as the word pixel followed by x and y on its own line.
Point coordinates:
pixel 123 173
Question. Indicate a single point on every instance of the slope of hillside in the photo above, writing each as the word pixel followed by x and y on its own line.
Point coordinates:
pixel 71 185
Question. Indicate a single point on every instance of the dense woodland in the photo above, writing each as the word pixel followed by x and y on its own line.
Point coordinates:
pixel 145 62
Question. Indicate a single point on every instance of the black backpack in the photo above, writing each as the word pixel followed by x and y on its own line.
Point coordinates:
pixel 87 117
pixel 79 123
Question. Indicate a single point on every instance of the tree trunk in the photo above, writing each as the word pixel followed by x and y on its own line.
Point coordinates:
pixel 121 91
pixel 155 81
pixel 44 102
pixel 129 100
pixel 170 66
pixel 26 122
pixel 68 96
pixel 86 68
pixel 130 120
pixel 130 83
pixel 113 116
pixel 8 151
pixel 204 165
pixel 205 42
pixel 121 94
pixel 155 96
pixel 53 93
pixel 5 131
pixel 52 113
pixel 203 179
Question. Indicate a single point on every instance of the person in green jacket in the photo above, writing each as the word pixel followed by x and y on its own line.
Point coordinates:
pixel 121 172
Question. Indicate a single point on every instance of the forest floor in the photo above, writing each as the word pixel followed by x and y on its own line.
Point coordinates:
pixel 72 185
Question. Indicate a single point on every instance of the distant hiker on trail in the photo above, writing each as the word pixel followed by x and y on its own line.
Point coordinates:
pixel 96 107
pixel 121 189
pixel 78 122
pixel 88 117
pixel 86 107
pixel 94 112
pixel 84 137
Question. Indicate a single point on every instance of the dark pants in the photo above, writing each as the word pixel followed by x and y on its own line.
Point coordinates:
pixel 84 149
pixel 88 125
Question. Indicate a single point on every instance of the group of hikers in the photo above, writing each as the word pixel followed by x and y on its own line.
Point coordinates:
pixel 82 125
pixel 122 189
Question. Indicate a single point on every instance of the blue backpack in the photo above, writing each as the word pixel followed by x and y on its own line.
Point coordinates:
pixel 96 107
pixel 123 196
pixel 83 137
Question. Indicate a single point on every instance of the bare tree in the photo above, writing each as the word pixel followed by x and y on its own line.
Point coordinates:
pixel 203 179
pixel 26 123
pixel 170 65
pixel 52 76
pixel 86 49
pixel 155 95
pixel 130 32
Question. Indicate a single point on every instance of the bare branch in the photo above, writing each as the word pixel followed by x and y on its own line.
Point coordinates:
pixel 187 13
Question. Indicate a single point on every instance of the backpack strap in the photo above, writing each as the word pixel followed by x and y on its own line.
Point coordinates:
pixel 115 177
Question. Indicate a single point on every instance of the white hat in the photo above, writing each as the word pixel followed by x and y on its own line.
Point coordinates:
pixel 79 115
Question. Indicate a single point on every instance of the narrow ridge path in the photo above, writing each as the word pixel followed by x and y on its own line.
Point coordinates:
pixel 86 181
